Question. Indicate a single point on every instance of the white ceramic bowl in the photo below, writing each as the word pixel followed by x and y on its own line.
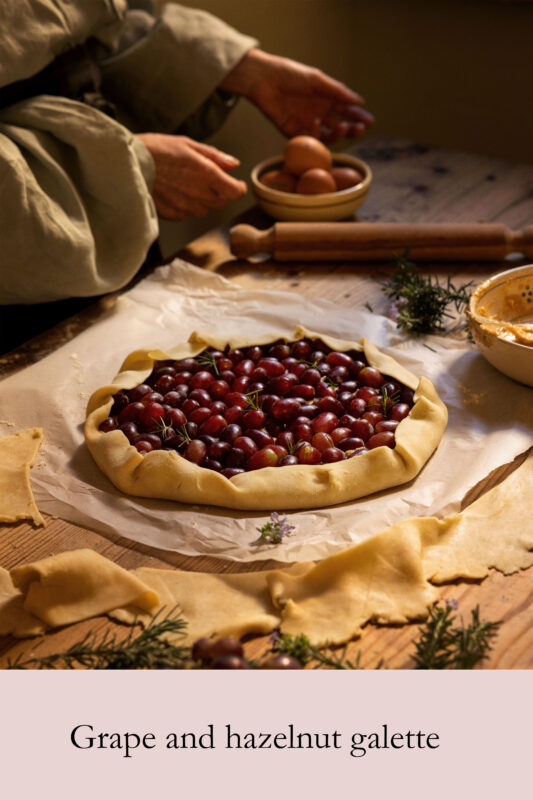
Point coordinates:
pixel 508 298
pixel 292 207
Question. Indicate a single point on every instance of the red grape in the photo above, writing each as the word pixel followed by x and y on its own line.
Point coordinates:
pixel 139 392
pixel 399 411
pixel 261 437
pixel 253 418
pixel 255 353
pixel 322 441
pixel 175 417
pixel 272 367
pixel 235 457
pixel 310 376
pixel 152 415
pixel 229 472
pixel 385 439
pixel 370 376
pixel 244 368
pixel 332 454
pixel 199 415
pixel 201 380
pixel 307 454
pixel 233 414
pixel 325 422
pixel 143 447
pixel 386 425
pixel 218 389
pixel 247 445
pixel 362 429
pixel 201 396
pixel 267 457
pixel 213 426
pixel 109 424
pixel 280 351
pixel 231 432
pixel 301 350
pixel 195 452
pixel 288 461
pixel 130 413
pixel 286 409
pixel 338 434
pixel 350 443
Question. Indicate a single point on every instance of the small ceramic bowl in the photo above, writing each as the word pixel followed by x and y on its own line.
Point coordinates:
pixel 500 315
pixel 327 207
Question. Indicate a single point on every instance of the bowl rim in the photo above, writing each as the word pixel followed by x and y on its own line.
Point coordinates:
pixel 490 283
pixel 330 198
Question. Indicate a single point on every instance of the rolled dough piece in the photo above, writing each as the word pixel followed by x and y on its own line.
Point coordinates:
pixel 17 456
pixel 79 584
pixel 14 620
pixel 495 531
pixel 379 580
pixel 222 605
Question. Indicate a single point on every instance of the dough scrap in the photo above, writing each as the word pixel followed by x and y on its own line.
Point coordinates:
pixel 225 605
pixel 494 531
pixel 78 584
pixel 379 580
pixel 166 475
pixel 14 620
pixel 17 456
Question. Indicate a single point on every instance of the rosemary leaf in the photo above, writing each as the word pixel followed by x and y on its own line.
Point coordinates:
pixel 420 304
pixel 443 646
pixel 150 649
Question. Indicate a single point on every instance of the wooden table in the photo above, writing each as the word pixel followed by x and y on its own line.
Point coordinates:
pixel 411 183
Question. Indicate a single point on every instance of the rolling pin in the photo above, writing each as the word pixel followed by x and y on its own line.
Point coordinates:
pixel 381 241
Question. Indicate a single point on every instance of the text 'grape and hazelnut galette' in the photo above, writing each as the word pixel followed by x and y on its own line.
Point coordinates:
pixel 275 423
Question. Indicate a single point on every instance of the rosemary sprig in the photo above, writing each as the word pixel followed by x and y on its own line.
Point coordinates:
pixel 182 430
pixel 443 646
pixel 381 401
pixel 163 429
pixel 150 649
pixel 252 399
pixel 420 304
pixel 474 642
pixel 208 360
pixel 300 647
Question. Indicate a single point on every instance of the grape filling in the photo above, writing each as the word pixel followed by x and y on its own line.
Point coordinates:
pixel 270 406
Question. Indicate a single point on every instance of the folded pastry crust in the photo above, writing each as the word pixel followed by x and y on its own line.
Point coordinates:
pixel 166 475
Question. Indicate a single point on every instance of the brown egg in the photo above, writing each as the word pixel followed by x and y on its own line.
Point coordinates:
pixel 306 152
pixel 280 180
pixel 346 177
pixel 316 181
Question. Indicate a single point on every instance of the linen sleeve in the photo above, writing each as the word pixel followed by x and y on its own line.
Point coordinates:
pixel 167 81
pixel 77 217
pixel 34 32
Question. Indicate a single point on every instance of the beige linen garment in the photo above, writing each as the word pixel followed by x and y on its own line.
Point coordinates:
pixel 76 215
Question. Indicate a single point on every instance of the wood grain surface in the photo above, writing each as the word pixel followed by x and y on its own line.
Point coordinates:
pixel 411 183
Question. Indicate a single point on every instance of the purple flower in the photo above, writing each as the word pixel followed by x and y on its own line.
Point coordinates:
pixel 275 530
pixel 452 603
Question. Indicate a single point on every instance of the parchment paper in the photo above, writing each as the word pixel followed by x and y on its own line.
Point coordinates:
pixel 491 418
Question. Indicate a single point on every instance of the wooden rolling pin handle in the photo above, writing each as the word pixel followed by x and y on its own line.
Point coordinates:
pixel 246 241
pixel 522 241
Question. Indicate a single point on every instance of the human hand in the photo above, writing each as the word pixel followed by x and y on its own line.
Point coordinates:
pixel 190 177
pixel 298 99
